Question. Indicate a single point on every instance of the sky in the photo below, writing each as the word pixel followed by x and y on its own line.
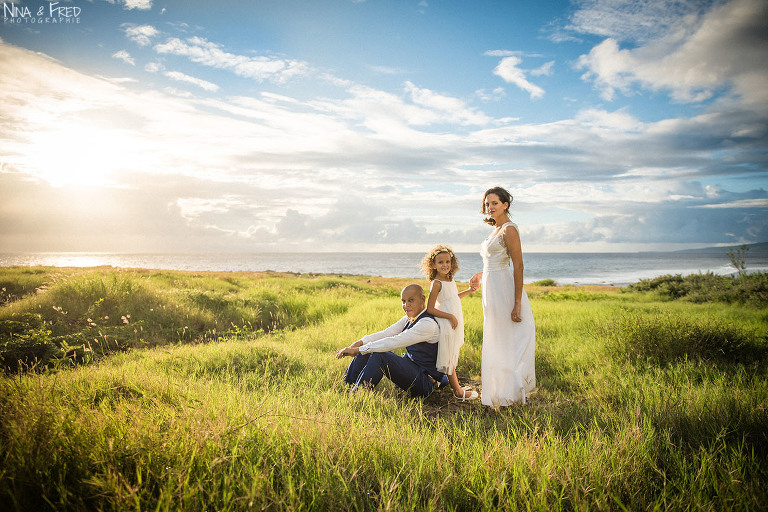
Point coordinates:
pixel 376 125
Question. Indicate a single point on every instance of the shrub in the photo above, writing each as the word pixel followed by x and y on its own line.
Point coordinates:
pixel 29 348
pixel 749 289
pixel 544 282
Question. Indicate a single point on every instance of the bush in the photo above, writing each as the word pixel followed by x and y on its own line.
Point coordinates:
pixel 749 289
pixel 28 349
pixel 545 282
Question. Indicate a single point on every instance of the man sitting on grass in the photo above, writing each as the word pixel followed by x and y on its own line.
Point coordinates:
pixel 417 332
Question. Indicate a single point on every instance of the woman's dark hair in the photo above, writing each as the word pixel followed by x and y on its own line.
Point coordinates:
pixel 504 197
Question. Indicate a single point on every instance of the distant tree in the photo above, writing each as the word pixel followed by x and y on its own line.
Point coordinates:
pixel 737 258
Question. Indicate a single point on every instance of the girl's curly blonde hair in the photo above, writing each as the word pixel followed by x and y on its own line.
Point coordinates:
pixel 429 259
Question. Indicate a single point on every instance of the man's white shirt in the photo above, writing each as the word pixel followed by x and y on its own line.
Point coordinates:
pixel 394 337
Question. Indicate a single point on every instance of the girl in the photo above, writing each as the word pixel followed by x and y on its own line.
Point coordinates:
pixel 439 266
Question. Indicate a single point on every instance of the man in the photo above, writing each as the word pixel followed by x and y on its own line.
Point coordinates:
pixel 417 333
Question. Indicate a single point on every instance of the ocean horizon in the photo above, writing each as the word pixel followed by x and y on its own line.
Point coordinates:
pixel 607 269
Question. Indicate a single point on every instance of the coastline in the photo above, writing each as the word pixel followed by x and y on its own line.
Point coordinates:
pixel 577 269
pixel 261 274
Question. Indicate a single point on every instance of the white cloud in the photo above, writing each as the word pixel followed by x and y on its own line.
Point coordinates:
pixel 140 34
pixel 503 53
pixel 202 51
pixel 386 118
pixel 119 80
pixel 124 56
pixel 368 169
pixel 386 70
pixel 452 110
pixel 509 71
pixel 138 4
pixel 741 203
pixel 635 20
pixel 181 77
pixel 619 121
pixel 692 58
pixel 495 95
pixel 192 208
pixel 544 69
pixel 153 67
pixel 650 213
pixel 177 92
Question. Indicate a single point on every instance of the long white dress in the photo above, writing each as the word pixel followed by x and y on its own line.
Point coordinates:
pixel 451 340
pixel 507 365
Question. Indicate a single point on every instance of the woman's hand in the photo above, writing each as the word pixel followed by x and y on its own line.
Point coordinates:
pixel 474 282
pixel 454 321
pixel 516 313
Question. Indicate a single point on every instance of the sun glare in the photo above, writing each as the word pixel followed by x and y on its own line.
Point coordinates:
pixel 75 156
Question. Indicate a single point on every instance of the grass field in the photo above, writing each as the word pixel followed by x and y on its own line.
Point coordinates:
pixel 160 390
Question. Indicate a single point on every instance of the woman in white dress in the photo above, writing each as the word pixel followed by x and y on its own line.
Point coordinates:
pixel 509 333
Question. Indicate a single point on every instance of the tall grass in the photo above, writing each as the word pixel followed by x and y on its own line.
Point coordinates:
pixel 263 422
pixel 83 314
pixel 667 337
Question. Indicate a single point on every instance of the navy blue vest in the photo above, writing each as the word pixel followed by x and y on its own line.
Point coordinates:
pixel 423 353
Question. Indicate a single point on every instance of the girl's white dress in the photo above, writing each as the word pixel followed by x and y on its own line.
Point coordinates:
pixel 451 339
pixel 507 365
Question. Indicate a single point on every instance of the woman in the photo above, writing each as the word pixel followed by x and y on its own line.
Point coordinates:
pixel 509 334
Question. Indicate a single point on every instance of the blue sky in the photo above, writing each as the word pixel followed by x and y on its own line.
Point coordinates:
pixel 146 126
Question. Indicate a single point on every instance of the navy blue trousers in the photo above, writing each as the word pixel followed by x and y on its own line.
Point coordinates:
pixel 368 369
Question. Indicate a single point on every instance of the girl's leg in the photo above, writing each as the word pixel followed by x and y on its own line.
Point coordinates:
pixel 453 380
pixel 458 391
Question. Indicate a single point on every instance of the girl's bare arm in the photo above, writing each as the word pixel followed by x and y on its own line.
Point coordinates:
pixel 434 289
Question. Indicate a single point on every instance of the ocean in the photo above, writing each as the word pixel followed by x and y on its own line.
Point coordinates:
pixel 614 269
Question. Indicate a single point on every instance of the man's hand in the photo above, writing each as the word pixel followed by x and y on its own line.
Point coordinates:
pixel 350 351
